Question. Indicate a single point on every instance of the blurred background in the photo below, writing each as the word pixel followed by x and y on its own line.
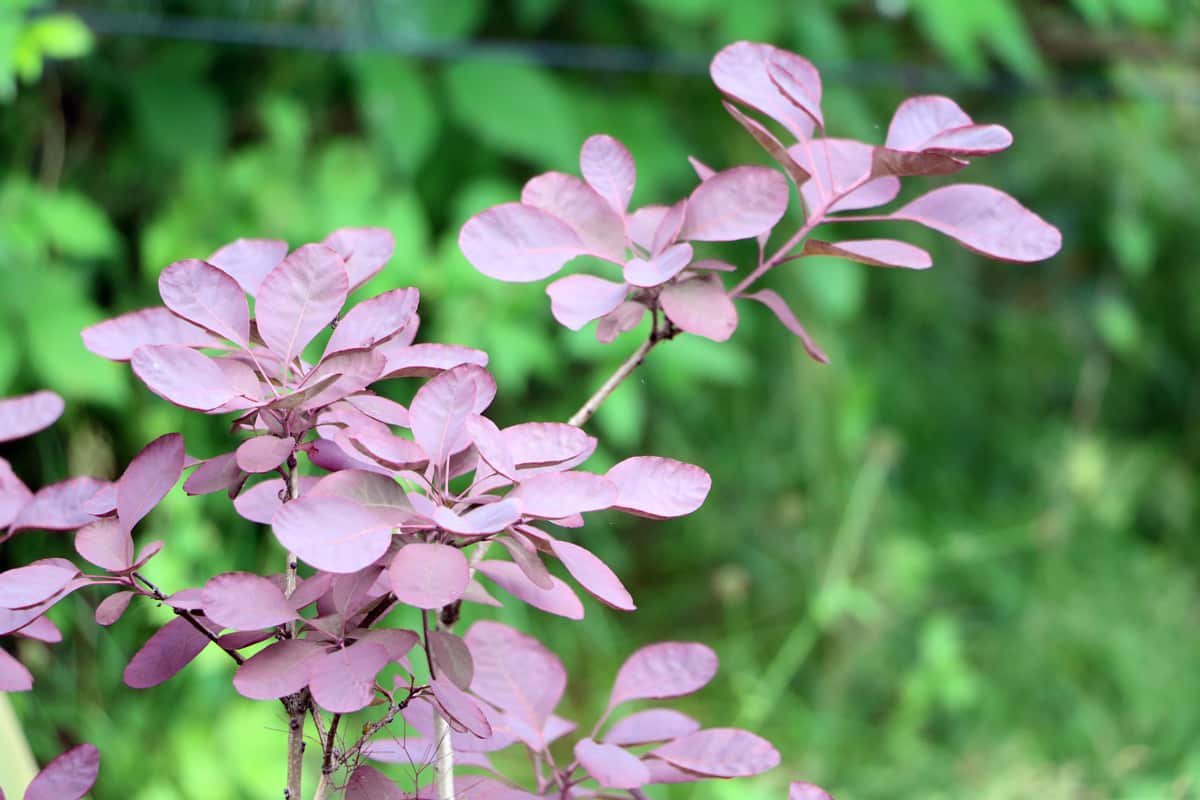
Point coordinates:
pixel 960 561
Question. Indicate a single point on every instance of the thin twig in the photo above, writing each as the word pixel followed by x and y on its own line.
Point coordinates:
pixel 581 417
pixel 190 617
pixel 296 704
pixel 325 784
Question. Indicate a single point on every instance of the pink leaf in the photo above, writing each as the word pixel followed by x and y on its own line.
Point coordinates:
pixel 440 408
pixel 547 445
pixel 798 87
pixel 659 269
pixel 875 252
pixel 559 494
pixel 598 225
pixel 380 409
pixel 148 478
pixel 666 669
pixel 525 556
pixel 517 242
pixel 59 506
pixel 363 250
pixel 700 306
pixel 807 791
pixel 841 172
pixel 368 783
pixel 460 707
pixel 740 71
pixel 214 475
pixel 477 787
pixel 593 575
pixel 116 339
pixel 300 297
pixel 375 320
pixel 68 777
pixel 651 725
pixel 558 600
pixel 769 143
pixel 485 519
pixel 643 223
pixel 27 414
pixel 452 657
pixel 332 533
pixel 387 449
pixel 783 312
pixel 737 203
pixel 277 670
pixel 626 317
pixel 428 575
pixel 933 122
pixel 245 602
pixel 248 261
pixel 720 753
pixel 208 297
pixel 659 487
pixel 14 677
pixel 354 370
pixel 420 718
pixel 669 227
pixel 33 584
pixel 112 608
pixel 170 649
pixel 424 360
pixel 378 493
pixel 490 444
pixel 182 376
pixel 397 642
pixel 611 766
pixel 42 630
pixel 576 300
pixel 515 672
pixel 608 168
pixel 264 453
pixel 344 681
pixel 107 544
pixel 986 221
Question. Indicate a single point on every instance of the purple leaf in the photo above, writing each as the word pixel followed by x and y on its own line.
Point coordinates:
pixel 659 269
pixel 593 575
pixel 368 783
pixel 875 252
pixel 551 495
pixel 14 677
pixel 576 300
pixel 300 297
pixel 170 649
pixel 15 619
pixel 737 203
pixel 182 376
pixel 662 772
pixel 107 544
pixel 644 223
pixel 264 453
pixel 428 575
pixel 363 250
pixel 598 225
pixel 548 445
pixel 720 753
pixel 701 306
pixel 208 297
pixel 248 261
pixel 214 475
pixel 783 312
pixel 116 339
pixel 439 410
pixel 773 146
pixel 515 673
pixel 625 318
pixel 397 642
pixel 148 478
pixel 344 681
pixel 611 766
pixel 986 221
pixel 459 707
pixel 489 443
pixel 43 630
pixel 374 492
pixel 558 600
pixel 103 502
pixel 355 368
pixel 59 506
pixel 666 669
pixel 659 487
pixel 245 602
pixel 277 670
pixel 112 608
pixel 651 725
pixel 391 451
pixel 931 122
pixel 27 414
pixel 608 168
pixel 807 791
pixel 424 360
pixel 799 83
pixel 525 556
pixel 489 518
pixel 452 657
pixel 375 320
pixel 332 533
pixel 740 71
pixel 380 409
pixel 68 777
pixel 841 176
pixel 14 495
pixel 420 718
pixel 28 586
pixel 519 243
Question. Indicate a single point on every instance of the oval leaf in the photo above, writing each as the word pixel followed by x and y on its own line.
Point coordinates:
pixel 300 297
pixel 701 306
pixel 428 575
pixel 148 478
pixel 551 495
pixel 520 243
pixel 28 586
pixel 116 339
pixel 170 649
pixel 245 602
pixel 277 670
pixel 611 766
pixel 558 600
pixel 332 533
pixel 738 203
pixel 208 297
pixel 608 168
pixel 264 453
pixel 27 414
pixel 659 487
pixel 593 575
pixel 344 681
pixel 68 777
pixel 720 753
pixel 182 376
pixel 248 261
pixel 106 544
pixel 651 725
pixel 364 251
pixel 515 672
pixel 576 300
pixel 666 669
pixel 875 252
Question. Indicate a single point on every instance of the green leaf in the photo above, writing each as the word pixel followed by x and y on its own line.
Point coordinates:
pixel 74 225
pixel 61 36
pixel 396 103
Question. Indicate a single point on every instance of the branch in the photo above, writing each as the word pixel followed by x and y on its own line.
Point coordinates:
pixel 580 417
pixel 296 704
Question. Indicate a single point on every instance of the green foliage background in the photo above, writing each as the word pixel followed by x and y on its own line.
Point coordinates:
pixel 958 562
